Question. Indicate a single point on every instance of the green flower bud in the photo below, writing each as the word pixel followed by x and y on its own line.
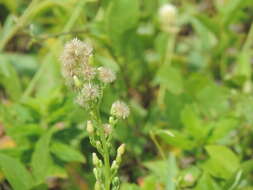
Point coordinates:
pixel 90 128
pixel 95 159
pixel 77 82
pixel 121 149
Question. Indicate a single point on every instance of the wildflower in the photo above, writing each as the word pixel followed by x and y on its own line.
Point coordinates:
pixel 120 110
pixel 75 50
pixel 107 129
pixel 75 55
pixel 106 75
pixel 168 17
pixel 90 92
pixel 89 72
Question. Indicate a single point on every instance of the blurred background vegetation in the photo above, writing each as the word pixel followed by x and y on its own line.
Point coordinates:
pixel 190 93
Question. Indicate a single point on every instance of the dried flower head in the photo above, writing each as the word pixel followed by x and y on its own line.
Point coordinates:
pixel 89 72
pixel 75 55
pixel 75 50
pixel 106 75
pixel 120 110
pixel 168 17
pixel 89 93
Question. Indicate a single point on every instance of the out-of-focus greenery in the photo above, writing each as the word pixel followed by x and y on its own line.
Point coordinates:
pixel 190 93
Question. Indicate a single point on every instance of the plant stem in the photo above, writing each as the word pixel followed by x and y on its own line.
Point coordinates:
pixel 106 156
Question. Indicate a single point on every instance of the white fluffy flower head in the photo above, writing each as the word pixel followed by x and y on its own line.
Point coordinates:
pixel 74 57
pixel 120 110
pixel 90 92
pixel 89 72
pixel 106 75
pixel 168 17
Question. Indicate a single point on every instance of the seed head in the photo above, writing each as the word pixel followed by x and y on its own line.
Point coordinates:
pixel 90 92
pixel 75 55
pixel 75 50
pixel 120 110
pixel 106 75
pixel 89 72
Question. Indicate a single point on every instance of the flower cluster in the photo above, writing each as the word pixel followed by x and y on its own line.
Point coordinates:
pixel 89 82
pixel 79 73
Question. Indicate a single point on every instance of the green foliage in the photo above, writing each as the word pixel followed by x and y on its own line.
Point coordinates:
pixel 189 88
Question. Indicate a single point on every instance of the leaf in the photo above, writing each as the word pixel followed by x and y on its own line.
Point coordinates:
pixel 207 183
pixel 213 99
pixel 121 15
pixel 16 173
pixel 66 152
pixel 164 171
pixel 223 162
pixel 9 78
pixel 193 124
pixel 41 159
pixel 222 129
pixel 170 78
pixel 178 140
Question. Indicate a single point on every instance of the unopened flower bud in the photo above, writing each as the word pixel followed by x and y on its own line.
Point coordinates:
pixel 77 82
pixel 114 166
pixel 90 128
pixel 95 159
pixel 115 181
pixel 121 149
pixel 112 120
pixel 98 145
pixel 95 171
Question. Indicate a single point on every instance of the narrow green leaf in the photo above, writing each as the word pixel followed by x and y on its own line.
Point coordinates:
pixel 66 152
pixel 16 173
pixel 41 159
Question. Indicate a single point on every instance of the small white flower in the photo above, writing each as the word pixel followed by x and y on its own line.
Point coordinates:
pixel 75 55
pixel 90 92
pixel 106 75
pixel 168 17
pixel 120 110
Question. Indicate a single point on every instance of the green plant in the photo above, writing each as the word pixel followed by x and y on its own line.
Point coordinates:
pixel 89 83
